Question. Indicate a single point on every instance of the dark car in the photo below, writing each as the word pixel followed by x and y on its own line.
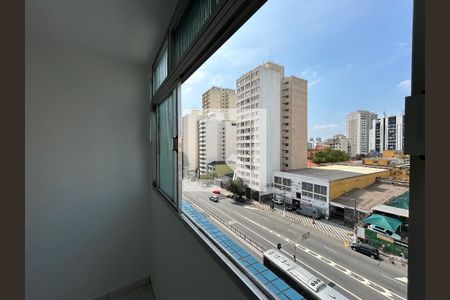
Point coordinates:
pixel 214 198
pixel 366 249
pixel 291 207
pixel 310 212
pixel 238 198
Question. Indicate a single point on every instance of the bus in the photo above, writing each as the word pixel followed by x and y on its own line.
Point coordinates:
pixel 298 278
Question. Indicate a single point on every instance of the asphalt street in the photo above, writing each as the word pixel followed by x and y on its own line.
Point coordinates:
pixel 353 274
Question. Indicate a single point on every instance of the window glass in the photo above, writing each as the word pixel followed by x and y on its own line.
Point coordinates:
pixel 167 156
pixel 160 70
pixel 307 186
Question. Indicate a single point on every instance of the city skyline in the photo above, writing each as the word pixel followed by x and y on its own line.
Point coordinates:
pixel 368 69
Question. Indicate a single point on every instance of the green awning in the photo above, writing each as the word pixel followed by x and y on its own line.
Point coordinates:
pixel 401 201
pixel 384 222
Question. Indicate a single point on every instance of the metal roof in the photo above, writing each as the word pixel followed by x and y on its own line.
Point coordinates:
pixel 392 210
pixel 335 172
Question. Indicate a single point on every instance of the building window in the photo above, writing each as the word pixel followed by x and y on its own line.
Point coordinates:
pixel 307 186
pixel 320 189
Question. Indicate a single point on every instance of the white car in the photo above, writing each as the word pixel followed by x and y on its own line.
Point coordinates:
pixel 278 201
pixel 384 231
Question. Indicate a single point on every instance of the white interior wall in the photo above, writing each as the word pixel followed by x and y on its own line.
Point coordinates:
pixel 87 173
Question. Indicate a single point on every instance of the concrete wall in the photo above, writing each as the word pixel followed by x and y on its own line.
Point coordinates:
pixel 339 187
pixel 87 184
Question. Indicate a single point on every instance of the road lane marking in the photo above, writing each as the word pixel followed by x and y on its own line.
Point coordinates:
pixel 374 286
pixel 334 251
pixel 402 279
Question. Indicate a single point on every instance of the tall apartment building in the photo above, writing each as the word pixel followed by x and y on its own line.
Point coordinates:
pixel 387 133
pixel 271 125
pixel 217 139
pixel 190 141
pixel 217 128
pixel 294 123
pixel 338 142
pixel 358 125
pixel 222 100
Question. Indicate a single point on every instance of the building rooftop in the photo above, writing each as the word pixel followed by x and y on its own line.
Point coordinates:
pixel 370 197
pixel 402 212
pixel 336 172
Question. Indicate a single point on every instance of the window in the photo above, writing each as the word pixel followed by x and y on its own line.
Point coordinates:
pixel 160 70
pixel 320 189
pixel 167 155
pixel 251 117
pixel 307 186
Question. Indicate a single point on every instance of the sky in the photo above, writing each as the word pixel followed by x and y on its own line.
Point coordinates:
pixel 355 55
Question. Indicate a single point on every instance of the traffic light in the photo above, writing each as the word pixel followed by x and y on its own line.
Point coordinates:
pixel 279 246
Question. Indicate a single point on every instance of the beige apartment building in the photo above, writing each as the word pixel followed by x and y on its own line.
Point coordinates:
pixel 220 100
pixel 190 141
pixel 294 123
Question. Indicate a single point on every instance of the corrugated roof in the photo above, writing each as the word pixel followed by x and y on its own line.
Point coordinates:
pixel 335 172
pixel 402 212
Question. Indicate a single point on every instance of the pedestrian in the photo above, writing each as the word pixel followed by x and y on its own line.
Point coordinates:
pixel 294 257
pixel 313 221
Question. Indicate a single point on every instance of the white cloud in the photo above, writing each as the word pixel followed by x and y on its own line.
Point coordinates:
pixel 405 84
pixel 325 126
pixel 242 56
pixel 311 76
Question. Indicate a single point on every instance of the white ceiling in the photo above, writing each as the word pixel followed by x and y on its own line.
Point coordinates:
pixel 126 29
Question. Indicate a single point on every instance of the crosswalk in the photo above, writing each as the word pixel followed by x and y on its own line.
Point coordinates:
pixel 337 231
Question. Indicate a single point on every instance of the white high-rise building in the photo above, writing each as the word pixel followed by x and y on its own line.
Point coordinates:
pixel 217 139
pixel 258 126
pixel 217 128
pixel 358 125
pixel 190 141
pixel 387 133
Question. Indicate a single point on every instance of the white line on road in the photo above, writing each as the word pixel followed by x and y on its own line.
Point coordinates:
pixel 403 279
pixel 330 249
pixel 393 279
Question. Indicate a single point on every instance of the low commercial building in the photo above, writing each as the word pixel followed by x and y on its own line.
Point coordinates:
pixel 221 168
pixel 318 186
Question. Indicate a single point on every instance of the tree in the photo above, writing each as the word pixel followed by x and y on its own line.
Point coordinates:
pixel 330 155
pixel 237 187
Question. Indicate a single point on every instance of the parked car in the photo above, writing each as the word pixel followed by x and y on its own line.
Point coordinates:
pixel 365 249
pixel 278 201
pixel 238 198
pixel 310 212
pixel 290 207
pixel 387 232
pixel 214 198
